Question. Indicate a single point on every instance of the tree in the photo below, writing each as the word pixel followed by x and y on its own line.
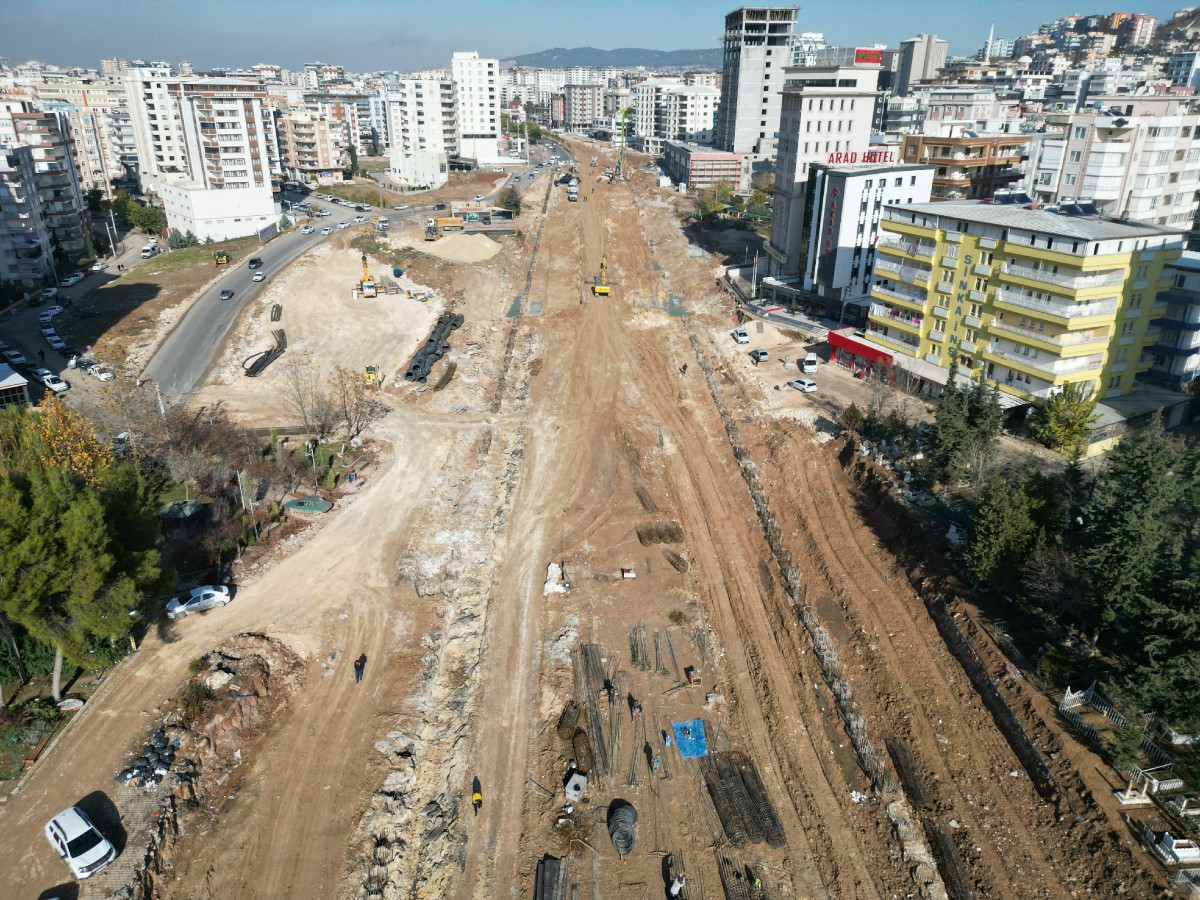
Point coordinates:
pixel 94 196
pixel 177 240
pixel 763 183
pixel 353 151
pixel 302 391
pixel 949 437
pixel 714 200
pixel 1066 418
pixel 1002 533
pixel 511 201
pixel 356 404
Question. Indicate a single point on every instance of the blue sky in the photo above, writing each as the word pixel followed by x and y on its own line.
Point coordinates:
pixel 369 35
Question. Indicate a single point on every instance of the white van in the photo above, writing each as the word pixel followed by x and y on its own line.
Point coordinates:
pixel 148 252
pixel 808 365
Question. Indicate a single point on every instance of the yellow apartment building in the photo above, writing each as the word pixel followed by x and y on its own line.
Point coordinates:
pixel 1035 298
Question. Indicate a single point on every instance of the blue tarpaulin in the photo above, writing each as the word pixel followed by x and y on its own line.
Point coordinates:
pixel 689 738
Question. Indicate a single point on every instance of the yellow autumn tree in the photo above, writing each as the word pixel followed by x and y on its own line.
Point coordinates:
pixel 68 442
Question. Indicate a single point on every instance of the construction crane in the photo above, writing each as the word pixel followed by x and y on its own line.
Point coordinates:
pixel 601 287
pixel 618 170
pixel 367 286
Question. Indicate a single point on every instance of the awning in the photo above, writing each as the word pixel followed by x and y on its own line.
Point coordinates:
pixel 843 340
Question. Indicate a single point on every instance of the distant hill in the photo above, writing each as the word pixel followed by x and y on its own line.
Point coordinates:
pixel 623 58
pixel 1177 28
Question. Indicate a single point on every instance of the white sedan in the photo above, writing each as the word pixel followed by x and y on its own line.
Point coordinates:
pixel 98 266
pixel 804 385
pixel 342 225
pixel 55 383
pixel 326 230
pixel 260 276
pixel 210 596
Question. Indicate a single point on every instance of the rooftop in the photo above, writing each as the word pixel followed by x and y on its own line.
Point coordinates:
pixel 1007 215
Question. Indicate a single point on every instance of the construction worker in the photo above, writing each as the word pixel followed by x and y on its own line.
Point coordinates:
pixel 678 885
pixel 477 801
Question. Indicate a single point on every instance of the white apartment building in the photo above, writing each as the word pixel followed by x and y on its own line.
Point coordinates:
pixel 582 103
pixel 758 47
pixel 208 148
pixel 97 114
pixel 841 227
pixel 477 82
pixel 956 111
pixel 826 118
pixel 665 109
pixel 25 244
pixel 422 121
pixel 1138 157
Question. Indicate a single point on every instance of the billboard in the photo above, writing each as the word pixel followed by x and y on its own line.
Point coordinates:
pixel 866 56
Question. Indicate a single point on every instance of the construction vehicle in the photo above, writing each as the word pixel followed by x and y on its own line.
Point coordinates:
pixel 450 223
pixel 431 233
pixel 601 288
pixel 222 257
pixel 619 170
pixel 373 377
pixel 381 223
pixel 595 161
pixel 367 287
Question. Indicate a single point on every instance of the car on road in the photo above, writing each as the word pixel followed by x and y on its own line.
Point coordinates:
pixel 209 596
pixel 226 294
pixel 48 330
pixel 440 207
pixel 84 849
pixel 46 317
pixel 56 343
pixel 260 276
pixel 400 207
pixel 307 229
pixel 98 266
pixel 804 385
pixel 342 225
pixel 322 213
pixel 327 230
pixel 255 262
pixel 55 383
pixel 358 220
pixel 16 357
pixel 49 293
pixel 479 198
pixel 73 279
pixel 759 355
pixel 739 336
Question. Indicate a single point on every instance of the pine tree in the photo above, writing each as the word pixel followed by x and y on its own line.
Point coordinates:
pixel 1002 533
pixel 950 437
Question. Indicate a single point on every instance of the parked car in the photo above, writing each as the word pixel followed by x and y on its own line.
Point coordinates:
pixel 209 596
pixel 804 385
pixel 49 293
pixel 327 230
pixel 16 357
pixel 226 294
pixel 99 266
pixel 100 371
pixel 440 207
pixel 479 198
pixel 322 213
pixel 260 276
pixel 307 229
pixel 759 355
pixel 56 343
pixel 69 351
pixel 54 383
pixel 739 336
pixel 400 207
pixel 84 849
pixel 45 318
pixel 48 330
pixel 73 279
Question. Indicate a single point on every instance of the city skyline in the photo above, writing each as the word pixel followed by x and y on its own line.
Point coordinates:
pixel 372 35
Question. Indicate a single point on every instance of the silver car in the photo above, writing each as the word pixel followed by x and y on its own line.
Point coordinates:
pixel 209 596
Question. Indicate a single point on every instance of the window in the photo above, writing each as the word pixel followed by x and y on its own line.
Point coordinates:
pixel 1076 156
pixel 1127 329
pixel 912 182
pixel 1069 180
pixel 1135 301
pixel 1114 382
pixel 1180 281
pixel 1122 354
pixel 1142 272
pixel 1080 133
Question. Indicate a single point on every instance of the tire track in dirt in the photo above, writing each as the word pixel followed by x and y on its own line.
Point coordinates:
pixel 854 566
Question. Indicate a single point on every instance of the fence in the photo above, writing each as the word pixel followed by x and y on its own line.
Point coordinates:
pixel 1072 700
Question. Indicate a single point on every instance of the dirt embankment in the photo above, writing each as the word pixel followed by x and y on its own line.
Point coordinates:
pixel 220 719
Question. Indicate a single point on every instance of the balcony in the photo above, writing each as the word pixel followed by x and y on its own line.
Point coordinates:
pixel 908 245
pixel 1064 339
pixel 907 273
pixel 1076 282
pixel 909 347
pixel 1062 309
pixel 898 317
pixel 1052 366
pixel 901 294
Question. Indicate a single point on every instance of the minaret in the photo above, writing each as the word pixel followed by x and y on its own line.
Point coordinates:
pixel 991 34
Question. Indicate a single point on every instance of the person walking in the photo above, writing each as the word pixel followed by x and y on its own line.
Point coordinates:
pixel 677 885
pixel 359 665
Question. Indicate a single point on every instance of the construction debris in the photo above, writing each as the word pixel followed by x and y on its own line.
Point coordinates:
pixel 551 879
pixel 746 812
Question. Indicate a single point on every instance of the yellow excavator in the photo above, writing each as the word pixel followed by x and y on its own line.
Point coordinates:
pixel 366 287
pixel 601 287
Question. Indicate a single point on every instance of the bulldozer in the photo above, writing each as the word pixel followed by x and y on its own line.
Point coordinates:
pixel 373 377
pixel 221 257
pixel 601 287
pixel 367 287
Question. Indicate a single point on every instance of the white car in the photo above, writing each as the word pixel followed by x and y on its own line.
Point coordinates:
pixel 358 220
pixel 101 371
pixel 73 279
pixel 45 318
pixel 260 276
pixel 56 343
pixel 84 849
pixel 342 225
pixel 16 357
pixel 739 336
pixel 479 198
pixel 55 383
pixel 804 385
pixel 99 266
pixel 49 331
pixel 322 213
pixel 209 596
pixel 759 355
pixel 326 230
pixel 307 229
pixel 400 207
pixel 49 293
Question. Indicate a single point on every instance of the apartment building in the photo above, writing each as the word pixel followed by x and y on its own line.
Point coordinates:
pixel 26 256
pixel 1136 157
pixel 97 116
pixel 312 148
pixel 422 119
pixel 1032 299
pixel 1175 351
pixel 826 117
pixel 55 176
pixel 969 167
pixel 921 58
pixel 208 148
pixel 757 49
pixel 582 104
pixel 477 82
pixel 665 109
pixel 700 167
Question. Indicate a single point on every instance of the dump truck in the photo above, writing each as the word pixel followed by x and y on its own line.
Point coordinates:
pixel 450 223
pixel 381 223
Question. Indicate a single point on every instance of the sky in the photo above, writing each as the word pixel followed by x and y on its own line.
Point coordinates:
pixel 405 35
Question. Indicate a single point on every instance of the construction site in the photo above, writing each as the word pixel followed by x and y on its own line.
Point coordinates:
pixel 626 625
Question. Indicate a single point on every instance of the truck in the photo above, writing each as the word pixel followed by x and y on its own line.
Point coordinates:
pixel 449 223
pixel 572 193
pixel 381 223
